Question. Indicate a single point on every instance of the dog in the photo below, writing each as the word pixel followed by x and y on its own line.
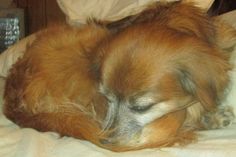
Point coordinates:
pixel 149 80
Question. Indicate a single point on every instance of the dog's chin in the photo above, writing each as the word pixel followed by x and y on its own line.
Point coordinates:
pixel 160 132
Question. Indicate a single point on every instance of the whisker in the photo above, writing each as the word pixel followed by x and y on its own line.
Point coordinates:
pixel 110 117
pixel 85 111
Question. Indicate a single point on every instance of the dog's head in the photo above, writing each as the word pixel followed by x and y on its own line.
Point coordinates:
pixel 157 67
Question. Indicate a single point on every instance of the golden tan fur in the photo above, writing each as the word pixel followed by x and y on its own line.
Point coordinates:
pixel 41 89
pixel 170 50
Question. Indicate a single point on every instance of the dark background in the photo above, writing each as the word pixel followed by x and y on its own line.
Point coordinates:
pixel 222 6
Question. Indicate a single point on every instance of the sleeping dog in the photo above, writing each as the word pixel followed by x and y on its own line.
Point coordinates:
pixel 148 80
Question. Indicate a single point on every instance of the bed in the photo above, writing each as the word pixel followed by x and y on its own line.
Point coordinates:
pixel 27 142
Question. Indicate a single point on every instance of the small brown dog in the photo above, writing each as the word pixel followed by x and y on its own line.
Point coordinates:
pixel 146 81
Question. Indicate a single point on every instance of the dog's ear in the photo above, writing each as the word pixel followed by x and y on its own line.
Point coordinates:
pixel 225 35
pixel 182 16
pixel 205 79
pixel 191 20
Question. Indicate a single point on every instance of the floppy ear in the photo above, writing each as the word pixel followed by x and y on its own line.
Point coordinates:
pixel 186 16
pixel 225 35
pixel 204 79
pixel 191 20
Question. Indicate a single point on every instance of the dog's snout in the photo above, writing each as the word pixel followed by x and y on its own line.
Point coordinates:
pixel 105 141
pixel 109 141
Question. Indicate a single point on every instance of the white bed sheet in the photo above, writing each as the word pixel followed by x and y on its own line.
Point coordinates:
pixel 26 142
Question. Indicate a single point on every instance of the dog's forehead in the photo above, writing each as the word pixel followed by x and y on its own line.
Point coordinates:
pixel 136 96
pixel 128 83
pixel 137 61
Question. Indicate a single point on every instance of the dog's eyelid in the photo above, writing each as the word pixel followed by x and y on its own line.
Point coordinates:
pixel 145 106
pixel 142 97
pixel 142 108
pixel 145 101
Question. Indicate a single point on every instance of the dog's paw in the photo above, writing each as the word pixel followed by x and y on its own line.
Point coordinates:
pixel 184 138
pixel 220 118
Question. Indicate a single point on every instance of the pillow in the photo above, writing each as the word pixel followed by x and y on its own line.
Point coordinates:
pixel 78 11
pixel 9 57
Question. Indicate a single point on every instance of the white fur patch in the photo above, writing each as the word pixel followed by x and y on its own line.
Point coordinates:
pixel 194 114
pixel 145 100
pixel 157 111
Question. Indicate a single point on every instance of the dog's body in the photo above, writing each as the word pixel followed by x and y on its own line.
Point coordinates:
pixel 143 83
pixel 41 89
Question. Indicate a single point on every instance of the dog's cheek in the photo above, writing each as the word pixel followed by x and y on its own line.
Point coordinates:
pixel 163 131
pixel 205 81
pixel 201 91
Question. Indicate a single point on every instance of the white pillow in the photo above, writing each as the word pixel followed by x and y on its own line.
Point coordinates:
pixel 78 11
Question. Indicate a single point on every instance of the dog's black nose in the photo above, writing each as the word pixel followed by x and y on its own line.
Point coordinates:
pixel 109 141
pixel 105 141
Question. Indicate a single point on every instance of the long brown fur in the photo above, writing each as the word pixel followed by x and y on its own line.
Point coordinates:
pixel 54 86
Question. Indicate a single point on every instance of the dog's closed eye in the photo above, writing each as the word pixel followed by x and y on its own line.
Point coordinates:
pixel 141 109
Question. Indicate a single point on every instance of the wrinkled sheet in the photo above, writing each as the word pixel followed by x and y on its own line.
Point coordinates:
pixel 26 142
